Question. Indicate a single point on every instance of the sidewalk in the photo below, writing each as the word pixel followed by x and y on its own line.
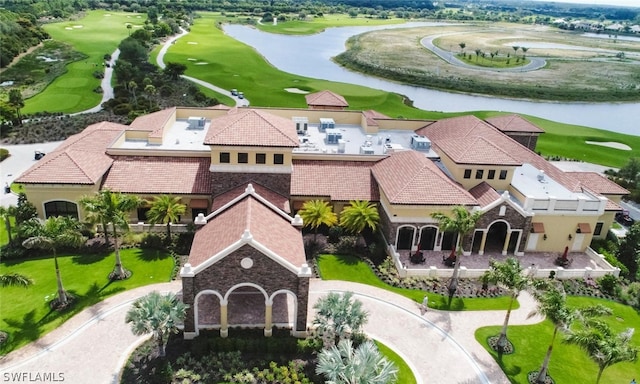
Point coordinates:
pixel 94 345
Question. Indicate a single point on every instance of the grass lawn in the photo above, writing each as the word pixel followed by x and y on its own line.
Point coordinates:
pixel 405 376
pixel 349 268
pixel 96 34
pixel 569 364
pixel 318 24
pixel 25 312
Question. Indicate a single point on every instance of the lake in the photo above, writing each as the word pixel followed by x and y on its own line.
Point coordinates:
pixel 292 54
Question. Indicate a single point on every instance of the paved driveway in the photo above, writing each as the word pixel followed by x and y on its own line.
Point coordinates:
pixel 93 346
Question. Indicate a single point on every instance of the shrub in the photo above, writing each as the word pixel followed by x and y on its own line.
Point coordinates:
pixel 152 241
pixel 608 284
pixel 334 233
pixel 631 295
pixel 4 153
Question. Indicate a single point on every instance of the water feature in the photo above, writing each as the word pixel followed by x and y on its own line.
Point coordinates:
pixel 310 56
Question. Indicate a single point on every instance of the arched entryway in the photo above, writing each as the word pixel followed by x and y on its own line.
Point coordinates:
pixel 207 309
pixel 405 237
pixel 449 241
pixel 246 306
pixel 496 236
pixel 428 236
pixel 284 308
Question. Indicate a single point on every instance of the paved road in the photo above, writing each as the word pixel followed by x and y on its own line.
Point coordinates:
pixel 534 64
pixel 93 346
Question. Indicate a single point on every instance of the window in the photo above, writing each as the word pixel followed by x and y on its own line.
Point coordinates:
pixel 225 158
pixel 261 158
pixel 142 214
pixel 467 173
pixel 243 158
pixel 61 208
pixel 278 158
pixel 479 174
pixel 492 174
pixel 503 174
pixel 598 230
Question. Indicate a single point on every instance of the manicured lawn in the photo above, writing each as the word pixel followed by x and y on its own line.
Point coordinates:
pixel 318 24
pixel 25 312
pixel 349 268
pixel 405 375
pixel 97 34
pixel 569 364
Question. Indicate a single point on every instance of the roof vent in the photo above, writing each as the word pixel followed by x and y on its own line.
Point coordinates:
pixel 196 122
pixel 541 177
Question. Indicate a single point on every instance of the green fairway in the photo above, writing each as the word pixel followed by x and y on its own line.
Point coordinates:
pixel 315 24
pixel 569 364
pixel 96 34
pixel 25 312
pixel 350 268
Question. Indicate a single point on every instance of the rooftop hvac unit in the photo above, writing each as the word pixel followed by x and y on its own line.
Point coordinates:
pixel 333 135
pixel 366 150
pixel 326 123
pixel 302 123
pixel 420 143
pixel 341 146
pixel 196 122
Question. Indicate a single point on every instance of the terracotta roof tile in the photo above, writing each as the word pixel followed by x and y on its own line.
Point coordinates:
pixel 484 193
pixel 266 226
pixel 153 121
pixel 408 177
pixel 513 123
pixel 326 98
pixel 372 115
pixel 463 127
pixel 476 150
pixel 68 167
pixel 282 202
pixel 252 127
pixel 598 183
pixel 340 180
pixel 174 175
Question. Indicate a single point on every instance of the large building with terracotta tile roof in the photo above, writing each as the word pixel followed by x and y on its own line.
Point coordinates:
pixel 244 172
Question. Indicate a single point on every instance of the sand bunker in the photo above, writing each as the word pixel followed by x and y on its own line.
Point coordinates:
pixel 108 14
pixel 78 26
pixel 192 59
pixel 68 28
pixel 295 90
pixel 610 144
pixel 192 42
pixel 202 63
pixel 46 59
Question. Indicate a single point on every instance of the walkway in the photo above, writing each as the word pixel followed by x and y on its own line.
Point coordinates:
pixel 94 345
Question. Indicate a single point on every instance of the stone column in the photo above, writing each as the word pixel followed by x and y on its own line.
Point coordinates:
pixel 268 318
pixel 224 326
pixel 483 242
pixel 506 243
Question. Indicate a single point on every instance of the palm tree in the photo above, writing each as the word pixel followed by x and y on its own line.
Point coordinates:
pixel 508 274
pixel 157 314
pixel 338 317
pixel 604 347
pixel 315 213
pixel 365 364
pixel 515 50
pixel 552 303
pixel 462 222
pixel 524 51
pixel 358 215
pixel 112 207
pixel 56 232
pixel 165 209
pixel 15 280
pixel 462 45
pixel 478 52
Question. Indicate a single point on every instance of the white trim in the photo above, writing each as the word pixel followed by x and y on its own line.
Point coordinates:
pixel 196 324
pixel 505 198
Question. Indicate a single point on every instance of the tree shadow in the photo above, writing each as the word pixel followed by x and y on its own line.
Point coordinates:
pixel 150 255
pixel 446 303
pixel 28 329
pixel 347 259
pixel 90 258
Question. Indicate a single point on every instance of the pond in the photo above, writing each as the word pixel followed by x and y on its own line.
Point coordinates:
pixel 283 52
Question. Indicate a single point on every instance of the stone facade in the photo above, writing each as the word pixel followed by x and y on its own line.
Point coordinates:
pixel 265 273
pixel 224 181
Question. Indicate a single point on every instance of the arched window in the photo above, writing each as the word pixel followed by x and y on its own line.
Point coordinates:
pixel 60 208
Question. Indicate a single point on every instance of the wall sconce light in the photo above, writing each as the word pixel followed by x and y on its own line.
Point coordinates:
pixel 570 237
pixel 544 237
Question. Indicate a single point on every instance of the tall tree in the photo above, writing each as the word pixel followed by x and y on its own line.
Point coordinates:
pixel 17 103
pixel 165 209
pixel 157 314
pixel 174 70
pixel 56 232
pixel 604 346
pixel 552 303
pixel 462 45
pixel 462 223
pixel 344 364
pixel 339 317
pixel 113 207
pixel 358 215
pixel 629 250
pixel 5 214
pixel 509 275
pixel 315 213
